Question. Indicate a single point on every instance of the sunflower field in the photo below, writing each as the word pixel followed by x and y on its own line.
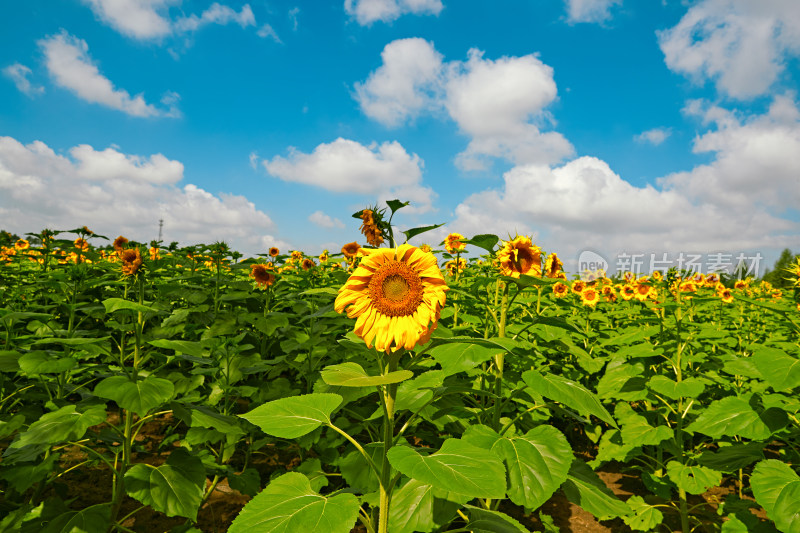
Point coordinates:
pixel 387 388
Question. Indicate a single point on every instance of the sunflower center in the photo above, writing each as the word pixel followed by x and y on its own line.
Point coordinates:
pixel 523 260
pixel 396 289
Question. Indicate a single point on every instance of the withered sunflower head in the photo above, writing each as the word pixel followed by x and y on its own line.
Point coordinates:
pixel 120 242
pixel 350 249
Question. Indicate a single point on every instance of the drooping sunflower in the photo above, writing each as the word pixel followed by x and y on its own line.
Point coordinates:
pixel 453 244
pixel 561 290
pixel 119 243
pixel 396 295
pixel 274 252
pixel 350 250
pixel 553 266
pixel 370 228
pixel 263 278
pixel 520 256
pixel 131 261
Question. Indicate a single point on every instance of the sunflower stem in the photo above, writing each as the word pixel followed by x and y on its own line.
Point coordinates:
pixel 389 396
pixel 498 360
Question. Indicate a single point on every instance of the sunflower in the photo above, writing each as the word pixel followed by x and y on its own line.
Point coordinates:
pixel 450 266
pixel 726 295
pixel 350 250
pixel 22 244
pixel 396 295
pixel 553 266
pixel 561 290
pixel 578 286
pixel 642 291
pixel 308 263
pixel 426 248
pixel 323 257
pixel 657 275
pixel 274 252
pixel 263 278
pixel 453 244
pixel 81 244
pixel 370 228
pixel 590 297
pixel 627 292
pixel 520 256
pixel 119 243
pixel 297 255
pixel 154 253
pixel 131 261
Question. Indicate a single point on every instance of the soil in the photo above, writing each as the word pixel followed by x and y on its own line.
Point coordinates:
pixel 86 484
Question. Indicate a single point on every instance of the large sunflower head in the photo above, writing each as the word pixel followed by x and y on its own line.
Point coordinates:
pixel 520 256
pixel 396 295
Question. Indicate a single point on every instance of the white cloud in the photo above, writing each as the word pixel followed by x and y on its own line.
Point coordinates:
pixel 151 20
pixel 404 85
pixel 293 17
pixel 216 14
pixel 654 136
pixel 734 203
pixel 755 161
pixel 739 44
pixel 346 166
pixel 590 10
pixel 18 73
pixel 67 59
pixel 140 19
pixel 115 193
pixel 368 11
pixel 268 31
pixel 325 221
pixel 499 103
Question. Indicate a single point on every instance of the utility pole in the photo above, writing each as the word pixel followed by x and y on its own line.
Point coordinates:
pixel 160 228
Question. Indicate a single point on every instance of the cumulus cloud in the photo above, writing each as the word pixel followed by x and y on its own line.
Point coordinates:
pixel 740 45
pixel 655 136
pixel 115 193
pixel 590 10
pixel 325 221
pixel 366 12
pixel 734 203
pixel 18 73
pixel 68 61
pixel 346 166
pixel 150 19
pixel 501 104
pixel 404 85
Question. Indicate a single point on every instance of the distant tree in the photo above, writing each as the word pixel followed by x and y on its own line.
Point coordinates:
pixel 777 276
pixel 7 239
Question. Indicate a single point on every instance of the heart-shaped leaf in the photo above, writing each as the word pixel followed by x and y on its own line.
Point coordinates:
pixel 353 375
pixel 585 488
pixel 457 467
pixel 776 487
pixel 570 393
pixel 174 488
pixel 293 417
pixel 781 370
pixel 140 396
pixel 63 425
pixel 289 505
pixel 693 479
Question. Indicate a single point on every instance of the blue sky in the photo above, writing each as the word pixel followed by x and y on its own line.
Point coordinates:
pixel 616 126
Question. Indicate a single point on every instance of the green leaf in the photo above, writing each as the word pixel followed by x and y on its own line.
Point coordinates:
pixel 731 458
pixel 486 521
pixel 174 488
pixel 9 360
pixel 412 508
pixel 457 467
pixel 248 482
pixel 39 362
pixel 622 381
pixel 636 431
pixel 645 517
pixel 63 425
pixel 312 468
pixel 413 232
pixel 731 416
pixel 570 393
pixel 776 487
pixel 195 349
pixel 289 505
pixel 117 304
pixel 486 241
pixel 353 375
pixel 459 357
pixel 585 488
pixel 688 388
pixel 140 397
pixel 781 370
pixel 357 472
pixel 94 519
pixel 394 205
pixel 628 338
pixel 204 416
pixel 693 479
pixel 293 417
